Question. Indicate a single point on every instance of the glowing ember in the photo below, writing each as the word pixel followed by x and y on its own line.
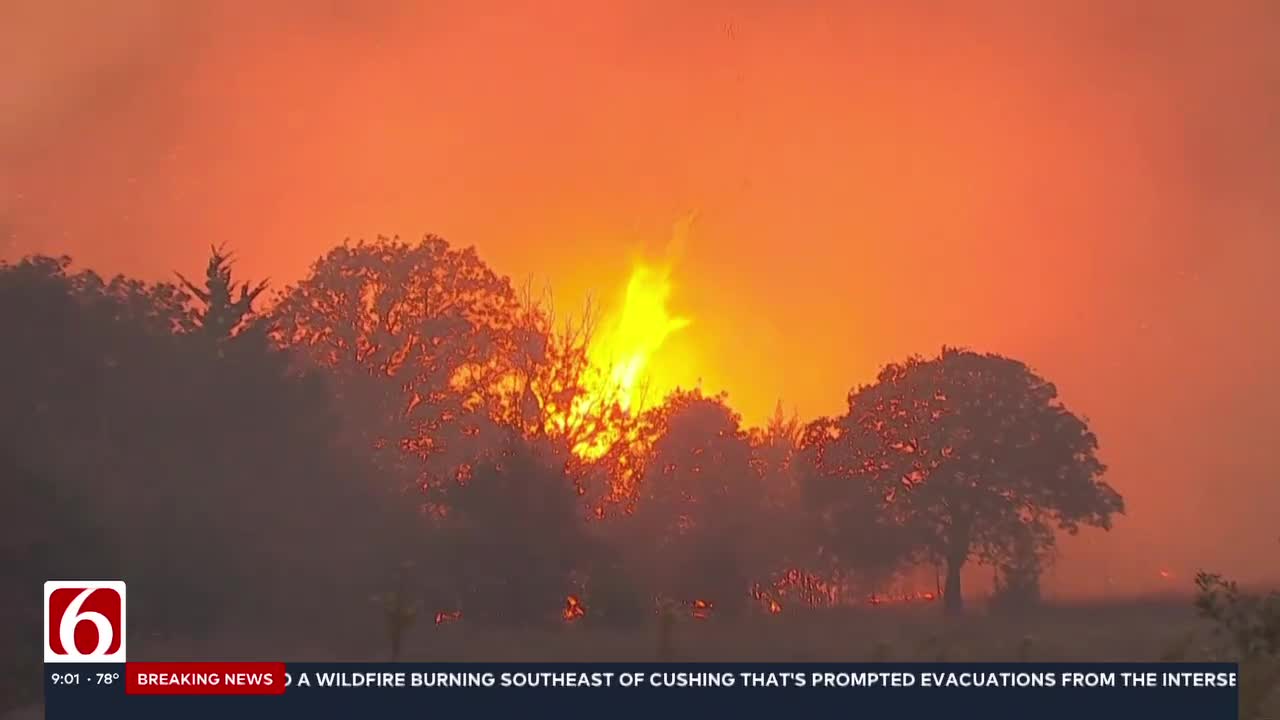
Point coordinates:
pixel 443 616
pixel 573 609
pixel 766 599
pixel 702 609
pixel 799 586
pixel 877 599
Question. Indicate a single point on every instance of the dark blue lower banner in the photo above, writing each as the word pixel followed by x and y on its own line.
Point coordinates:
pixel 354 690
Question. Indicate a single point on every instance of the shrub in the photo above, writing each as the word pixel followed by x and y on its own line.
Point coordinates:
pixel 1250 624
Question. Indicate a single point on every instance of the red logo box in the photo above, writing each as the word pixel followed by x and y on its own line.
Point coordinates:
pixel 84 621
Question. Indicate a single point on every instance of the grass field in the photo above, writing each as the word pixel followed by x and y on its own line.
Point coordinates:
pixel 1138 631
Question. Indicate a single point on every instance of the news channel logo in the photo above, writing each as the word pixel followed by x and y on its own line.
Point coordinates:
pixel 84 621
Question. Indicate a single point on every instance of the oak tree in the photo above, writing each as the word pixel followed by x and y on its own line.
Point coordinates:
pixel 973 455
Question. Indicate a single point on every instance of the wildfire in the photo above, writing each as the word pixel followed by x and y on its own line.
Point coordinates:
pixel 621 356
pixel 804 588
pixel 573 609
pixel 633 337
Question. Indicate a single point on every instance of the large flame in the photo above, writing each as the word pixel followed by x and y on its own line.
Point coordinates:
pixel 622 353
pixel 633 337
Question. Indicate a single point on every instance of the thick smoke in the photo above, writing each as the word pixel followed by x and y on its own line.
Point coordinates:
pixel 1092 187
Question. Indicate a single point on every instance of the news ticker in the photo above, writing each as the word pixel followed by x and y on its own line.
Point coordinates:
pixel 249 690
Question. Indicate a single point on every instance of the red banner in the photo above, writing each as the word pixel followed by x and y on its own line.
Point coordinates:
pixel 204 678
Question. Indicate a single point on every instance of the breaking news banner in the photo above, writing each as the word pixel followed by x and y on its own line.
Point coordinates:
pixel 87 675
pixel 247 690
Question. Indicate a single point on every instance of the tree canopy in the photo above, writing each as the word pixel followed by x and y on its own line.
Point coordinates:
pixel 187 471
pixel 966 455
pixel 419 341
pixel 403 402
pixel 700 499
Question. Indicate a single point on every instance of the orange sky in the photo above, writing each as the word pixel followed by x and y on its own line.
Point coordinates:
pixel 1093 187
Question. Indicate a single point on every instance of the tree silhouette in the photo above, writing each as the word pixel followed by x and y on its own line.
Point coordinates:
pixel 700 502
pixel 792 540
pixel 513 533
pixel 975 454
pixel 221 315
pixel 195 474
pixel 562 394
pixel 1020 565
pixel 263 450
pixel 859 537
pixel 774 452
pixel 418 341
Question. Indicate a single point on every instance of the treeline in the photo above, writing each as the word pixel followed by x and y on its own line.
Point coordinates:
pixel 231 456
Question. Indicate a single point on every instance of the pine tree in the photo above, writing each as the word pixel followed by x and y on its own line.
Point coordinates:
pixel 221 315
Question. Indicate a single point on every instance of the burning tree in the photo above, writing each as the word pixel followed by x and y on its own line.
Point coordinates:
pixel 561 394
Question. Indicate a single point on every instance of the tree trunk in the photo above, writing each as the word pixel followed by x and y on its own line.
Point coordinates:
pixel 953 601
pixel 956 553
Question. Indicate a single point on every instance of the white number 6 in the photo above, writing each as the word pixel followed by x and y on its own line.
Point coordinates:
pixel 72 618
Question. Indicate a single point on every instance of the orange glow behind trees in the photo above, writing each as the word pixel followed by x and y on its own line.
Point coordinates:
pixel 1088 193
pixel 447 385
pixel 477 394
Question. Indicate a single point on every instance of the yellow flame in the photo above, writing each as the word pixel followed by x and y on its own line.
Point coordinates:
pixel 633 336
pixel 621 354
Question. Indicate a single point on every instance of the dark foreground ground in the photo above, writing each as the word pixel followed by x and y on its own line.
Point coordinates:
pixel 1148 630
pixel 1134 631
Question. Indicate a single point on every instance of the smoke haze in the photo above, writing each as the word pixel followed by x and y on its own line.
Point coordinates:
pixel 1091 187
